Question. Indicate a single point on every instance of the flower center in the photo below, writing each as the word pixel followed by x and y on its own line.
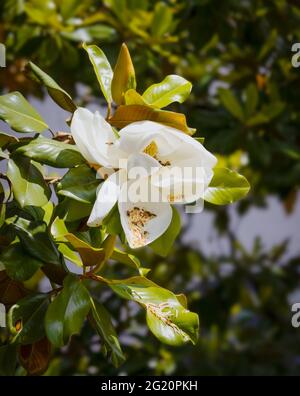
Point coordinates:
pixel 152 150
pixel 137 219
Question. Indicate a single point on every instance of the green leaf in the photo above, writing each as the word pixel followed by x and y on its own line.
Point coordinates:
pixel 102 69
pixel 60 96
pixel 35 239
pixel 226 187
pixel 19 265
pixel 101 320
pixel 70 210
pixel 28 184
pixel 164 244
pixel 90 256
pixel 162 20
pixel 67 312
pixel 230 102
pixel 5 140
pixel 52 153
pixel 26 318
pixel 172 89
pixel 252 98
pixel 8 360
pixel 79 184
pixel 125 258
pixel 167 318
pixel 19 114
pixel 112 222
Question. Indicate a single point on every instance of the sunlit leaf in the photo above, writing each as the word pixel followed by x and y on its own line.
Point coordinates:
pixel 19 114
pixel 102 69
pixel 52 153
pixel 28 184
pixel 226 187
pixel 169 321
pixel 172 89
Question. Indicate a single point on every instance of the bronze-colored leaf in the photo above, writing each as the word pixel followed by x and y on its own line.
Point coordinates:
pixel 90 256
pixel 126 115
pixel 35 357
pixel 10 291
pixel 124 76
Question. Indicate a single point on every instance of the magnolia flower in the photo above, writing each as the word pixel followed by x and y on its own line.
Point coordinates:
pixel 145 168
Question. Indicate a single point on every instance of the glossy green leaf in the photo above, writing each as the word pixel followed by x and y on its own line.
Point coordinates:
pixel 230 102
pixel 102 69
pixel 52 153
pixel 80 184
pixel 26 318
pixel 70 210
pixel 28 184
pixel 60 96
pixel 67 312
pixel 19 114
pixel 172 89
pixel 19 265
pixel 35 239
pixel 112 222
pixel 226 187
pixel 101 320
pixel 164 243
pixel 167 318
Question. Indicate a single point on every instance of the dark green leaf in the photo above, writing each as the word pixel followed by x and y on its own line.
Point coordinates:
pixel 164 244
pixel 61 97
pixel 67 311
pixel 79 184
pixel 101 320
pixel 8 360
pixel 18 263
pixel 26 318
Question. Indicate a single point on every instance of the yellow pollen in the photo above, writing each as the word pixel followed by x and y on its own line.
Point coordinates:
pixel 151 149
pixel 137 219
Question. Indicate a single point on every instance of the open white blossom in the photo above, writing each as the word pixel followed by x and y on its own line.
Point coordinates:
pixel 146 169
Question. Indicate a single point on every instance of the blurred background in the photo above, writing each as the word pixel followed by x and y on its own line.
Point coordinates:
pixel 239 266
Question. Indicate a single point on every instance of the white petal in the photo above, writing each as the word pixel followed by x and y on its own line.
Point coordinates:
pixel 142 221
pixel 107 197
pixel 93 136
pixel 141 165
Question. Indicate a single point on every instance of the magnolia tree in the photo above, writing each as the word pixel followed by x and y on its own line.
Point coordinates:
pixel 123 174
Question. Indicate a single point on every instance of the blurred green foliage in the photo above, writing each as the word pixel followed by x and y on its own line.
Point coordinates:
pixel 245 101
